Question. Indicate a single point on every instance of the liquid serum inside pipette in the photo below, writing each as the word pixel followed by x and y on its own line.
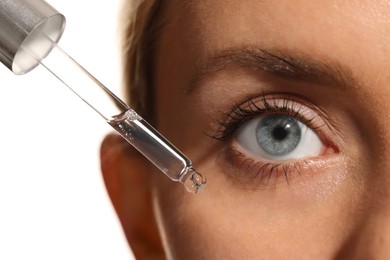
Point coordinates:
pixel 157 149
pixel 124 120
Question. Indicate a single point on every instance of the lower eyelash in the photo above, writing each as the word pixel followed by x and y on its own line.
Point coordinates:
pixel 261 173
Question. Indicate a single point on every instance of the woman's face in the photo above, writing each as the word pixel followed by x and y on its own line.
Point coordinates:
pixel 284 107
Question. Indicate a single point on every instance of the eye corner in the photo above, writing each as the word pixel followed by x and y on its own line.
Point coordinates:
pixel 330 149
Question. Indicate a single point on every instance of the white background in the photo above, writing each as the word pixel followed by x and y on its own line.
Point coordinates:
pixel 53 204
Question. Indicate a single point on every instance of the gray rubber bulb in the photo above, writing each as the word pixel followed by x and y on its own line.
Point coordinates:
pixel 27 27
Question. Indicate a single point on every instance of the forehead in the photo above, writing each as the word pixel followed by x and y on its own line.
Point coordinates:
pixel 347 31
pixel 225 22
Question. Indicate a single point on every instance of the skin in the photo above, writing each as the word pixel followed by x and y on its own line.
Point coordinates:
pixel 336 206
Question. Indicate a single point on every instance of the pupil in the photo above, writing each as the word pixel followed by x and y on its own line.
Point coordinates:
pixel 279 133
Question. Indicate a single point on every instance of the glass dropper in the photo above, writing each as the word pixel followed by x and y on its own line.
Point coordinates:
pixel 29 32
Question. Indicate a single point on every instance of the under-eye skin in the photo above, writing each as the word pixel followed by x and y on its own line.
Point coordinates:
pixel 272 136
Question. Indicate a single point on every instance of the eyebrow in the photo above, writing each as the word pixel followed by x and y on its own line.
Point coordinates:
pixel 286 65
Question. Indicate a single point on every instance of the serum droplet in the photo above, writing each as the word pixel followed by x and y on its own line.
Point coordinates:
pixel 194 182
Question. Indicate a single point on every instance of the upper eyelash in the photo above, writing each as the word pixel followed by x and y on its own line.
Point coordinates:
pixel 248 109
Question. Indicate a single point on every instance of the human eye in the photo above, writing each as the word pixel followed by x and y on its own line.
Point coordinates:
pixel 275 135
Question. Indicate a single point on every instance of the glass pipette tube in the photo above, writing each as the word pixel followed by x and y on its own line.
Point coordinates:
pixel 122 118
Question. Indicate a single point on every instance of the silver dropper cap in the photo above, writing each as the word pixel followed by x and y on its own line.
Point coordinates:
pixel 25 26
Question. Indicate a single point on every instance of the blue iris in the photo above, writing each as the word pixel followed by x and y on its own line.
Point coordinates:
pixel 278 134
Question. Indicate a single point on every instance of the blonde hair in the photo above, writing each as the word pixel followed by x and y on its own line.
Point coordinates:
pixel 139 33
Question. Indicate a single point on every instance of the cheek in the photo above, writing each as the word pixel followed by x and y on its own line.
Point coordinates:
pixel 224 221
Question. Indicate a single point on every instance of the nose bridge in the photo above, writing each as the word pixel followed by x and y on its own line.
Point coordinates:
pixel 370 238
pixel 375 126
pixel 378 232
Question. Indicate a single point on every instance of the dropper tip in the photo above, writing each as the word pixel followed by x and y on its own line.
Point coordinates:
pixel 195 182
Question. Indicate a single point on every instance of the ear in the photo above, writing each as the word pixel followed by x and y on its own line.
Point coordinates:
pixel 126 175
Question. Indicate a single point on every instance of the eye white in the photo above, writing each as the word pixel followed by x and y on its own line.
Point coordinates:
pixel 309 144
